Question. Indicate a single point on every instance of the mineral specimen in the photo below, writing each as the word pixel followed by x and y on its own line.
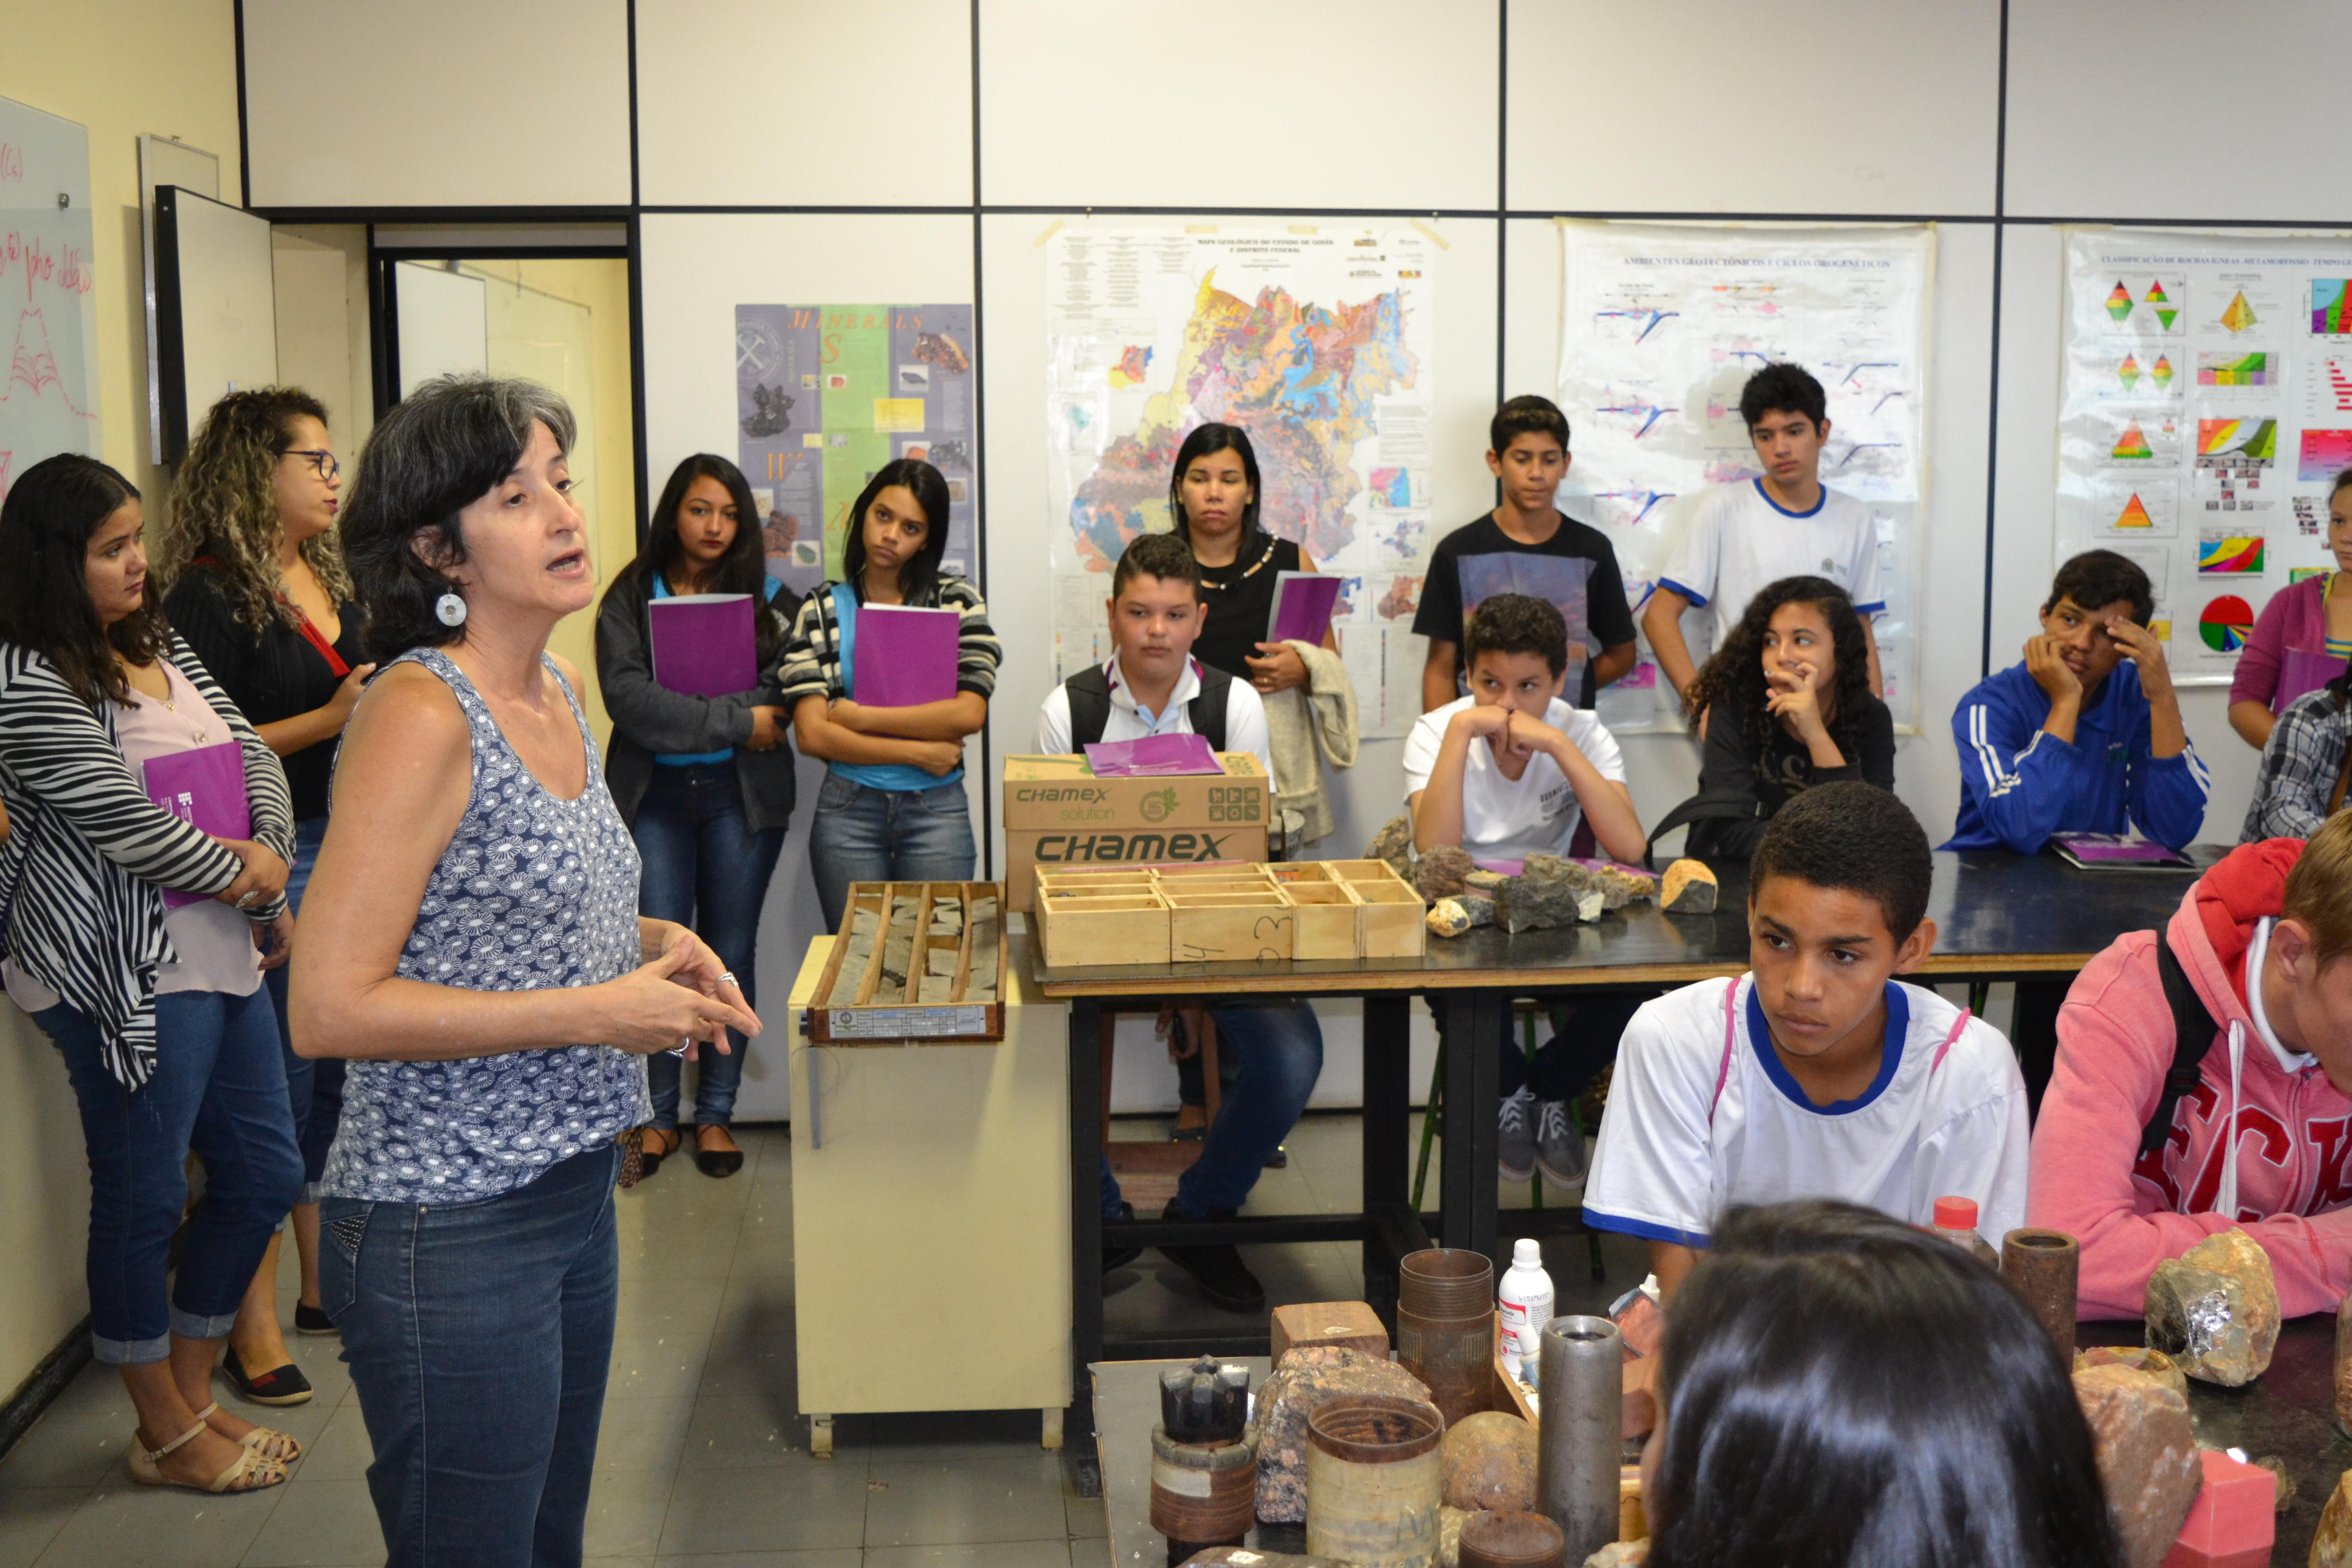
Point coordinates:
pixel 1307 1376
pixel 2147 1456
pixel 2215 1309
pixel 1687 889
pixel 1490 1463
pixel 1440 873
pixel 2139 1358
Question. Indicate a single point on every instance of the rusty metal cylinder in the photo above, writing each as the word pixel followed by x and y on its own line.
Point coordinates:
pixel 1445 1327
pixel 1579 1438
pixel 2044 1266
pixel 1374 1480
pixel 1446 1282
pixel 1503 1539
pixel 1203 1494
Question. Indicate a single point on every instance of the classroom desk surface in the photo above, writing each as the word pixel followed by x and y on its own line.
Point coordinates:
pixel 1997 916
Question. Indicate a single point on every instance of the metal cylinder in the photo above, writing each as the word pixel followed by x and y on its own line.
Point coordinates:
pixel 1203 1494
pixel 1453 1358
pixel 1512 1540
pixel 1445 1282
pixel 1578 1440
pixel 2044 1266
pixel 1374 1481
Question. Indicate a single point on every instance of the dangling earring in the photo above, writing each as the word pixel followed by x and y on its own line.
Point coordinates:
pixel 451 609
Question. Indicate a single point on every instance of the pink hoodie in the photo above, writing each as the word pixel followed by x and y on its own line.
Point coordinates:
pixel 2131 1211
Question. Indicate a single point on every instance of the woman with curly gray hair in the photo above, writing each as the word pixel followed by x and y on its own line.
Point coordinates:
pixel 254 579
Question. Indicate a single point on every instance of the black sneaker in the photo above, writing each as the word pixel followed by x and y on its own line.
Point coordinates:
pixel 1120 1257
pixel 1217 1269
pixel 279 1385
pixel 310 1320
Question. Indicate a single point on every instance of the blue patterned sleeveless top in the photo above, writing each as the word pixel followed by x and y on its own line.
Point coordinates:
pixel 533 892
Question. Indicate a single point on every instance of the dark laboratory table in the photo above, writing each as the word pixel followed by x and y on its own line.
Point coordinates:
pixel 2030 919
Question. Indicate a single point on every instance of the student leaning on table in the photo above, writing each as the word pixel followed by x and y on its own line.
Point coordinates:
pixel 2260 1142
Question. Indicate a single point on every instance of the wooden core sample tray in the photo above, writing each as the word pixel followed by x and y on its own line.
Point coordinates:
pixel 1110 916
pixel 915 961
pixel 1205 914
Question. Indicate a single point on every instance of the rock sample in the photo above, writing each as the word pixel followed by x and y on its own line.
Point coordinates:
pixel 1550 891
pixel 2277 1467
pixel 2215 1309
pixel 1464 911
pixel 1393 844
pixel 2331 1546
pixel 2146 1457
pixel 1688 887
pixel 1307 1376
pixel 1490 1463
pixel 1440 873
pixel 2138 1358
pixel 1621 1554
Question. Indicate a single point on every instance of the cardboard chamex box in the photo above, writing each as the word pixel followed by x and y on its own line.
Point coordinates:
pixel 1056 814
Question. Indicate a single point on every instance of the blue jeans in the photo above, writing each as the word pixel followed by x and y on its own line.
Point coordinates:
pixel 218 1089
pixel 706 870
pixel 1584 1040
pixel 313 1088
pixel 863 835
pixel 479 1337
pixel 1279 1047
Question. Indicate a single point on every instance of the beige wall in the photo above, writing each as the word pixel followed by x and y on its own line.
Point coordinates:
pixel 122 69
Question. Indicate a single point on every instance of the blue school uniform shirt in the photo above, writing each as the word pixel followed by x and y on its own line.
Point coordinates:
pixel 690 759
pixel 899 776
pixel 2019 783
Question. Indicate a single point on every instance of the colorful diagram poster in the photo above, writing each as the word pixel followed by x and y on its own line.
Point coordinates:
pixel 2214 476
pixel 1317 343
pixel 1661 326
pixel 824 395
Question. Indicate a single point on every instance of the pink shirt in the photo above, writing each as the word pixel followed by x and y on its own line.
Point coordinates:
pixel 2296 617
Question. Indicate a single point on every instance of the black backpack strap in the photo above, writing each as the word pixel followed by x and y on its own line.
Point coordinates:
pixel 1089 694
pixel 1207 710
pixel 1707 805
pixel 2192 1036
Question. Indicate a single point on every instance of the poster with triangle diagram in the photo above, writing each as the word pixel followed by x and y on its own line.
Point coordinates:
pixel 2146 306
pixel 2135 506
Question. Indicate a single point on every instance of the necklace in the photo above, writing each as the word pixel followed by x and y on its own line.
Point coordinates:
pixel 1245 577
pixel 197 733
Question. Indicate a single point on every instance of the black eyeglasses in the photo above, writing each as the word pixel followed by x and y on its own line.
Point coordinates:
pixel 322 463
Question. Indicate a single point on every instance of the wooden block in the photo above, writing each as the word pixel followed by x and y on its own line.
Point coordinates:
pixel 1350 1323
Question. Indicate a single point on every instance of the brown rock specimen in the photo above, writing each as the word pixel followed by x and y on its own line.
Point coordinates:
pixel 2215 1309
pixel 1621 1554
pixel 1688 889
pixel 2138 1358
pixel 1490 1463
pixel 1393 844
pixel 1447 918
pixel 1641 1410
pixel 2147 1456
pixel 2331 1546
pixel 1307 1376
pixel 1439 874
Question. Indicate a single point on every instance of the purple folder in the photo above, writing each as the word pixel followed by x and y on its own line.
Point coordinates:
pixel 2301 672
pixel 905 656
pixel 206 789
pixel 1154 756
pixel 1303 602
pixel 703 646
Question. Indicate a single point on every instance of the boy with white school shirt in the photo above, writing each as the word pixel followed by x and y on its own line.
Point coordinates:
pixel 1785 523
pixel 1816 1074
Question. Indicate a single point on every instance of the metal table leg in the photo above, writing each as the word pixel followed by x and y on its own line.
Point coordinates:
pixel 1086 1239
pixel 1476 1024
pixel 1388 1109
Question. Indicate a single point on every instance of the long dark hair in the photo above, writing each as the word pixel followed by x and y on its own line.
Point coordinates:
pixel 1207 441
pixel 46 524
pixel 224 507
pixel 1732 679
pixel 743 569
pixel 1844 1390
pixel 921 573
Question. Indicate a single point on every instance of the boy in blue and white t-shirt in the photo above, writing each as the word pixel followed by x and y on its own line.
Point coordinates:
pixel 1816 1074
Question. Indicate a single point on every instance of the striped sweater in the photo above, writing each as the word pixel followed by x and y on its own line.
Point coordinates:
pixel 81 874
pixel 811 666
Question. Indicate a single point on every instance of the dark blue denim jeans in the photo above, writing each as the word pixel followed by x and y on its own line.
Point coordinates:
pixel 314 1089
pixel 479 1337
pixel 219 1089
pixel 1279 1047
pixel 863 835
pixel 706 870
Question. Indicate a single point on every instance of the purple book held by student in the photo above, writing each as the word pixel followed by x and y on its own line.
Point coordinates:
pixel 904 656
pixel 703 646
pixel 1303 603
pixel 1153 756
pixel 2301 672
pixel 206 789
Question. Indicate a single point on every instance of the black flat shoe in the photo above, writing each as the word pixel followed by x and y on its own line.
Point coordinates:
pixel 648 1161
pixel 716 1161
pixel 1218 1271
pixel 279 1385
pixel 312 1320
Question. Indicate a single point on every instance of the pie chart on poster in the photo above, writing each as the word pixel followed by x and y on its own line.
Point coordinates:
pixel 2226 624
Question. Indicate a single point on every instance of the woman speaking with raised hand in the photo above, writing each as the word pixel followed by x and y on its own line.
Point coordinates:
pixel 481 963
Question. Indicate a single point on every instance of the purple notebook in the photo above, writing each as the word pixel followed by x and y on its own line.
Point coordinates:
pixel 1303 602
pixel 2301 672
pixel 702 645
pixel 206 789
pixel 1154 756
pixel 905 656
pixel 2094 850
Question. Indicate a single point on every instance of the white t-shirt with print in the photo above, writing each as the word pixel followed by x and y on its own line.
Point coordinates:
pixel 1945 1118
pixel 1740 540
pixel 1505 818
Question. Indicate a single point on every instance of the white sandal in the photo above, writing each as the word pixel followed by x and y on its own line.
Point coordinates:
pixel 251 1472
pixel 280 1448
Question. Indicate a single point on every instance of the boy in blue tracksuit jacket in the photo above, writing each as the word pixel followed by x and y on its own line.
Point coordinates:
pixel 2086 735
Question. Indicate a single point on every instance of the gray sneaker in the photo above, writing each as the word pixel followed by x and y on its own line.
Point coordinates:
pixel 1514 1137
pixel 1560 1145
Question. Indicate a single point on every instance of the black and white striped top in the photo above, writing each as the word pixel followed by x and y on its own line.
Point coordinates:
pixel 83 867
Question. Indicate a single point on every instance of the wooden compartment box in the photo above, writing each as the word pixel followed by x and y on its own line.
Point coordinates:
pixel 1391 922
pixel 1240 922
pixel 1221 913
pixel 1092 917
pixel 858 1008
pixel 1326 910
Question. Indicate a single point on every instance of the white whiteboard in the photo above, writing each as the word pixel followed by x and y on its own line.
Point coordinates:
pixel 216 308
pixel 442 324
pixel 49 401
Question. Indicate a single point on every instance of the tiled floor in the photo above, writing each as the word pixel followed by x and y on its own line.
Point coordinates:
pixel 704 1461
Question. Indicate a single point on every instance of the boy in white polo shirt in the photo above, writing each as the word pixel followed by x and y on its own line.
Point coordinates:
pixel 1507 771
pixel 1816 1074
pixel 1782 524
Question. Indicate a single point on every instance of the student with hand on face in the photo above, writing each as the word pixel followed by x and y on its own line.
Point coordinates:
pixel 2084 735
pixel 1817 1074
pixel 1154 686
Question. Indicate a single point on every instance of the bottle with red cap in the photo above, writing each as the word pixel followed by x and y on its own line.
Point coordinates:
pixel 1955 1222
